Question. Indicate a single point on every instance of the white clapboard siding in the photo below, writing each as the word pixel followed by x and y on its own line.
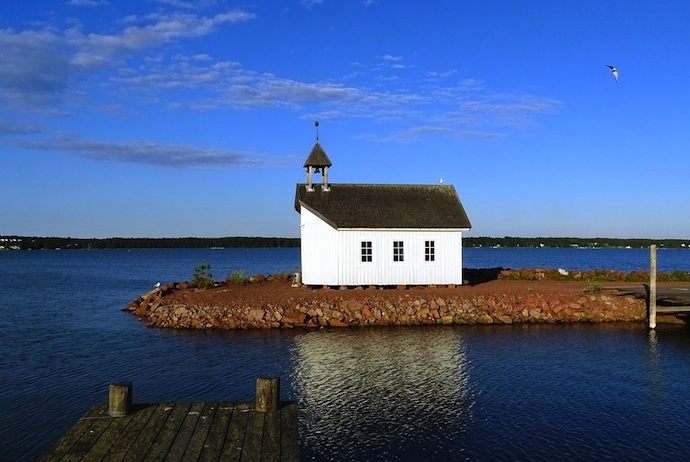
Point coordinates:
pixel 319 250
pixel 333 257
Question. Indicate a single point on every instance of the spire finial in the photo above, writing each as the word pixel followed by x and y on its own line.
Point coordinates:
pixel 316 124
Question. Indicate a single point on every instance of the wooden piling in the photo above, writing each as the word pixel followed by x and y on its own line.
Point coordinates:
pixel 267 394
pixel 120 399
pixel 652 286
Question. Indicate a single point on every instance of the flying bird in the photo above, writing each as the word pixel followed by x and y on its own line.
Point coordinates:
pixel 614 71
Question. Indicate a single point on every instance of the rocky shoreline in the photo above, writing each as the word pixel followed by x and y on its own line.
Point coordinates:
pixel 273 303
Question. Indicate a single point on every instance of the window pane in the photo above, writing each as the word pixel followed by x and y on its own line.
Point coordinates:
pixel 429 251
pixel 366 253
pixel 398 254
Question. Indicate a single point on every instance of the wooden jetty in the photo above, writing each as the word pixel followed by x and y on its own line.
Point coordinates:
pixel 668 299
pixel 265 430
pixel 665 300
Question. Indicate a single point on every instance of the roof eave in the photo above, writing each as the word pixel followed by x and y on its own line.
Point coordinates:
pixel 444 230
pixel 318 215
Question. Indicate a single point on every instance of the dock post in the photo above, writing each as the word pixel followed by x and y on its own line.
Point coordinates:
pixel 120 399
pixel 267 393
pixel 652 286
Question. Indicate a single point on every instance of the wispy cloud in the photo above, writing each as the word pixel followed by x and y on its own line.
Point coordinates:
pixel 87 3
pixel 187 4
pixel 51 70
pixel 391 58
pixel 415 133
pixel 310 3
pixel 13 128
pixel 505 109
pixel 97 51
pixel 157 154
pixel 394 62
pixel 36 66
pixel 454 103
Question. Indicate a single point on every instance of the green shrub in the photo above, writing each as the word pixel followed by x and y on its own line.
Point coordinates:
pixel 674 276
pixel 236 277
pixel 592 288
pixel 202 279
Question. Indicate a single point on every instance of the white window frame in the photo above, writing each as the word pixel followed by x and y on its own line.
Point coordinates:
pixel 398 251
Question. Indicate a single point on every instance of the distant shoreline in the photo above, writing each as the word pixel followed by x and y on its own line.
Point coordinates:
pixel 69 243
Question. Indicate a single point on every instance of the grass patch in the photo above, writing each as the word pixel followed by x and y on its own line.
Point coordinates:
pixel 592 288
pixel 674 276
pixel 237 278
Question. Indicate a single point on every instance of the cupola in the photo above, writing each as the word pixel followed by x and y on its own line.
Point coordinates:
pixel 317 162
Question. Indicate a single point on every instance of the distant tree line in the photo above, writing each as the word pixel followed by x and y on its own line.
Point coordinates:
pixel 68 243
pixel 48 243
pixel 561 242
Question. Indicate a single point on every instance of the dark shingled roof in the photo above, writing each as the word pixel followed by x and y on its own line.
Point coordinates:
pixel 317 157
pixel 385 206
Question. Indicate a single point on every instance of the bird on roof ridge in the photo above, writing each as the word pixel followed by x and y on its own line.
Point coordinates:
pixel 614 71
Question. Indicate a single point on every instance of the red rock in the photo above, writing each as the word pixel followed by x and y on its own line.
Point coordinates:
pixel 485 319
pixel 257 278
pixel 294 318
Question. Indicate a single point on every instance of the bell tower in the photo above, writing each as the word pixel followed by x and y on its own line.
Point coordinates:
pixel 317 162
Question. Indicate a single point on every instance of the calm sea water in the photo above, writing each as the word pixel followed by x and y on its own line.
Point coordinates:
pixel 551 392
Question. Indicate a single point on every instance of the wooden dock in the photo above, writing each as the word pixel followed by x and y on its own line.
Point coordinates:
pixel 219 431
pixel 664 300
pixel 668 299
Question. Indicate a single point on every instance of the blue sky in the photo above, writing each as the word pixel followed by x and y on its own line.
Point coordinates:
pixel 169 118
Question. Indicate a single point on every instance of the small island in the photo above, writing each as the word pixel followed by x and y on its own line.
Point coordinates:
pixel 490 296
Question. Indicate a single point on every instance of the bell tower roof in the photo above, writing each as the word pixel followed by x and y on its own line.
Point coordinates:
pixel 317 162
pixel 317 158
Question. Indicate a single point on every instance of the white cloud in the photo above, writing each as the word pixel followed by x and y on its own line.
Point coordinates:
pixel 454 106
pixel 33 68
pixel 392 58
pixel 40 69
pixel 96 51
pixel 188 4
pixel 310 3
pixel 87 3
pixel 36 66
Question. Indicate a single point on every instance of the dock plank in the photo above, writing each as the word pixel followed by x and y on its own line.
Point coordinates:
pixel 673 309
pixel 141 445
pixel 254 433
pixel 200 434
pixel 182 432
pixel 235 436
pixel 109 438
pixel 134 425
pixel 168 432
pixel 213 447
pixel 86 442
pixel 270 442
pixel 74 434
pixel 289 436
